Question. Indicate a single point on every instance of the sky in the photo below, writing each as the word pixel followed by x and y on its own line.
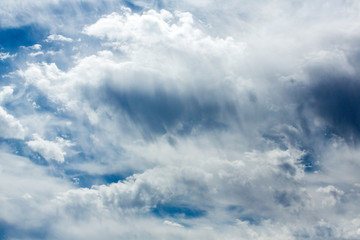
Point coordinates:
pixel 164 119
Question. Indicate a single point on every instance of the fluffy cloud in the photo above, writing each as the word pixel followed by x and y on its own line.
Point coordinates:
pixel 6 92
pixel 10 127
pixel 57 37
pixel 24 198
pixel 49 150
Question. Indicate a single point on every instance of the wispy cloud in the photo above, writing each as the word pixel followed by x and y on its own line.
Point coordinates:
pixel 4 56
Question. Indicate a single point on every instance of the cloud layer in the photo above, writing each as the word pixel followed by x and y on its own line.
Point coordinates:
pixel 179 119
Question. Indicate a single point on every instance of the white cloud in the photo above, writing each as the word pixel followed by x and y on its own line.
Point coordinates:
pixel 6 92
pixel 48 149
pixel 331 190
pixel 4 56
pixel 33 47
pixel 24 197
pixel 36 47
pixel 332 195
pixel 10 127
pixel 174 224
pixel 36 53
pixel 57 37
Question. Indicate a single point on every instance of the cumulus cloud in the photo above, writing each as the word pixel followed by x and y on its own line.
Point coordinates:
pixel 24 198
pixel 190 119
pixel 333 194
pixel 57 37
pixel 48 149
pixel 6 92
pixel 10 126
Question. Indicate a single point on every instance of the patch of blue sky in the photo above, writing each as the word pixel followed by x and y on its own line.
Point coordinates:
pixel 5 67
pixel 86 180
pixel 20 148
pixel 309 162
pixel 59 52
pixel 178 211
pixel 283 141
pixel 82 153
pixel 132 6
pixel 30 44
pixel 21 106
pixel 13 38
pixel 32 101
pixel 40 102
pixel 16 43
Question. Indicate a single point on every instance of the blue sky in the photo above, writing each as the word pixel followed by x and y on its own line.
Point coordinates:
pixel 179 119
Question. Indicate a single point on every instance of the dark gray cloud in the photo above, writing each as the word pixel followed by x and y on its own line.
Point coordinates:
pixel 285 198
pixel 337 101
pixel 161 112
